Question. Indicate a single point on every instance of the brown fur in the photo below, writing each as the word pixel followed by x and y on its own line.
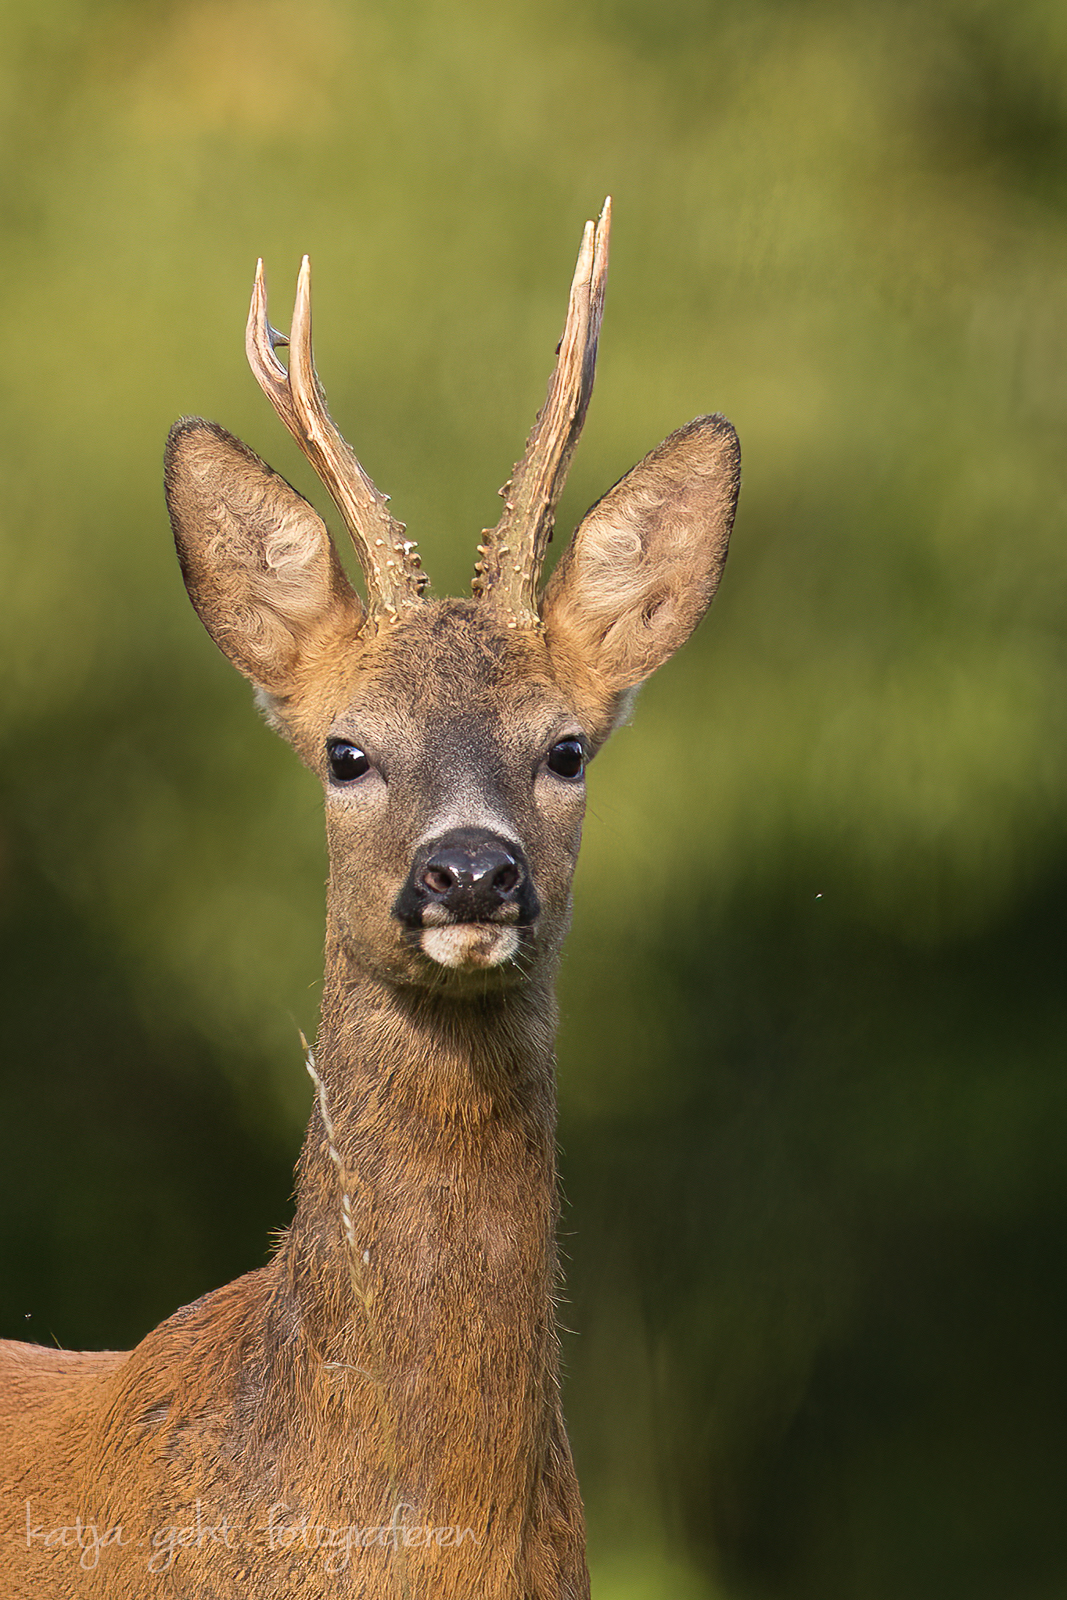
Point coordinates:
pixel 396 1364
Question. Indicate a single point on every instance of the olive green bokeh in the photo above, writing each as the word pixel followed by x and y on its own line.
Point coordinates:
pixel 814 1011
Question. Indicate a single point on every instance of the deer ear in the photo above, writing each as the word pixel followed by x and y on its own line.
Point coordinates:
pixel 257 560
pixel 645 562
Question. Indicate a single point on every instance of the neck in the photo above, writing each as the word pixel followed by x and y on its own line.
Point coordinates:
pixel 473 1062
pixel 422 1256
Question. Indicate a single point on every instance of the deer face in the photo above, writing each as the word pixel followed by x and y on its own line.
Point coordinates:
pixel 452 761
pixel 450 736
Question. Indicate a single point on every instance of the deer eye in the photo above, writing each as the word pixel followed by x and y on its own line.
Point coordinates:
pixel 347 761
pixel 567 759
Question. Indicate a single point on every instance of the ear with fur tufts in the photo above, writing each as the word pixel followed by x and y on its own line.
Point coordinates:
pixel 645 562
pixel 257 560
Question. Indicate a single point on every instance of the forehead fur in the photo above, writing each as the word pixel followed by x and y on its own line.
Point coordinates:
pixel 445 656
pixel 453 652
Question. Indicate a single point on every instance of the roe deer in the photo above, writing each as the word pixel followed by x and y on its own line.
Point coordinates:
pixel 376 1412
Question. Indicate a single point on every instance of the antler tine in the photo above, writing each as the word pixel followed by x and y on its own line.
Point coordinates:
pixel 513 551
pixel 390 562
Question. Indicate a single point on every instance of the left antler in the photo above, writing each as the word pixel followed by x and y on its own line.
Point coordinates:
pixel 390 562
pixel 512 553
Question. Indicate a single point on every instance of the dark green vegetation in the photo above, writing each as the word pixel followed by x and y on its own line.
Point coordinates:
pixel 814 1039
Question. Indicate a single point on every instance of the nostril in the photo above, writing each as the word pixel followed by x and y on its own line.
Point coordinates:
pixel 506 878
pixel 438 879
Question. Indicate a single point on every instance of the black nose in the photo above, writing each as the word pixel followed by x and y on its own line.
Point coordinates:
pixel 472 875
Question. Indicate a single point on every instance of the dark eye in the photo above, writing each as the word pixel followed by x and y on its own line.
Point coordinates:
pixel 347 761
pixel 567 759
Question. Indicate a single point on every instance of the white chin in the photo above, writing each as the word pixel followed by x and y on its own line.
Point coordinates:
pixel 469 944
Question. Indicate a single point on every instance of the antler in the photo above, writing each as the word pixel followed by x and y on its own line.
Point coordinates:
pixel 513 551
pixel 390 563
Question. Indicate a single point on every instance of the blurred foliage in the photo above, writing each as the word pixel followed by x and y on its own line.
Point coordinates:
pixel 812 1059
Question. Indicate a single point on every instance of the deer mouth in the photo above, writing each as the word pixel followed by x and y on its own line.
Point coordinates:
pixel 470 945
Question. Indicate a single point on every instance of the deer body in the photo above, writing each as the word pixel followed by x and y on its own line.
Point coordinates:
pixel 376 1413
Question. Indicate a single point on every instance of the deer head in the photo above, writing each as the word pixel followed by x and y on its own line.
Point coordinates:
pixel 451 736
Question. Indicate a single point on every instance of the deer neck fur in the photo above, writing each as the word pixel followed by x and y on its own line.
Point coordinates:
pixel 420 1265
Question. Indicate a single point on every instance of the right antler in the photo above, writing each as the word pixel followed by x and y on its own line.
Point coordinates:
pixel 512 552
pixel 390 562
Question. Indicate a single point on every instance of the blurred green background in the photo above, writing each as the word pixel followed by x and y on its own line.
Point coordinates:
pixel 812 1063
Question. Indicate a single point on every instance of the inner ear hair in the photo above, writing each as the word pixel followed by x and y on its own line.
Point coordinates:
pixel 646 560
pixel 257 560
